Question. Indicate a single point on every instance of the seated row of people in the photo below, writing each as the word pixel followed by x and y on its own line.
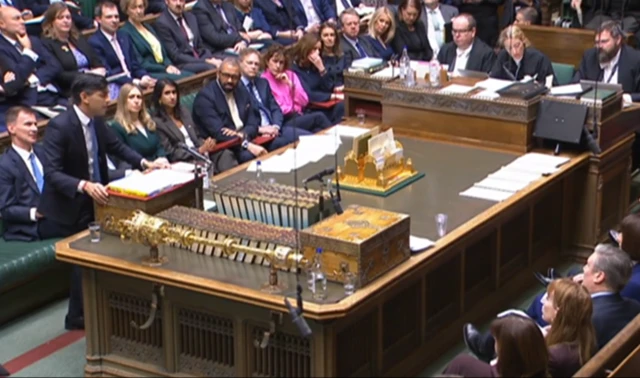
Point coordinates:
pixel 611 277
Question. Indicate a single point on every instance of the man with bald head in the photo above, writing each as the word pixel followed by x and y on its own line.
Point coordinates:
pixel 466 52
pixel 223 110
pixel 32 66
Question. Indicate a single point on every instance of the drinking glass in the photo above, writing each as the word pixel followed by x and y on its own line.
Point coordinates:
pixel 441 224
pixel 94 232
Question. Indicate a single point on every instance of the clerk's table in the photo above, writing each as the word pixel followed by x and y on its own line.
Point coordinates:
pixel 212 317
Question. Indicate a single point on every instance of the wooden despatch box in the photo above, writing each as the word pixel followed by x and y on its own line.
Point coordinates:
pixel 370 241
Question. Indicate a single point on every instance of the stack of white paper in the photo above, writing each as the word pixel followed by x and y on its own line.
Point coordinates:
pixel 346 131
pixel 310 149
pixel 487 194
pixel 515 176
pixel 183 167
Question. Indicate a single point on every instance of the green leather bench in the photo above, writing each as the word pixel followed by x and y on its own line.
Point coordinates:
pixel 30 276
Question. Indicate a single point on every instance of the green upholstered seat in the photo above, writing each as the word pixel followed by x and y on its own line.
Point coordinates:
pixel 187 100
pixel 564 72
pixel 21 261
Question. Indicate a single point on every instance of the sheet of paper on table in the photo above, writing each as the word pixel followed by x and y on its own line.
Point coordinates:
pixel 486 194
pixel 493 85
pixel 456 89
pixel 417 244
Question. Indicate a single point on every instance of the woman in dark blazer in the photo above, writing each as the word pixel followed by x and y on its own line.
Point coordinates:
pixel 319 84
pixel 332 56
pixel 152 55
pixel 134 126
pixel 382 28
pixel 410 32
pixel 175 126
pixel 519 59
pixel 68 46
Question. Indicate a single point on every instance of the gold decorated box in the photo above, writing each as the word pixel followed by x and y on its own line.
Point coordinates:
pixel 368 241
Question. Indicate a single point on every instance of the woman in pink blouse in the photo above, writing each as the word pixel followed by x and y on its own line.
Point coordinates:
pixel 289 93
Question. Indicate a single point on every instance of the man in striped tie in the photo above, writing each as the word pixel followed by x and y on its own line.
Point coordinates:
pixel 21 177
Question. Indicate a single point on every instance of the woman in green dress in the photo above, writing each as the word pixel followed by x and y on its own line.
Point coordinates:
pixel 150 51
pixel 134 126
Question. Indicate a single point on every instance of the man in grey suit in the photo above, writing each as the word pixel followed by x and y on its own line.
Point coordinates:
pixel 434 17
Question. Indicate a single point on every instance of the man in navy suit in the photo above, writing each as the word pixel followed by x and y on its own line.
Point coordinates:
pixel 605 274
pixel 313 13
pixel 352 44
pixel 21 176
pixel 76 144
pixel 219 27
pixel 271 118
pixel 32 65
pixel 224 110
pixel 115 48
pixel 179 33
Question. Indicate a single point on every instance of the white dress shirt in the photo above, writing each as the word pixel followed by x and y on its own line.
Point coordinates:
pixel 611 70
pixel 435 19
pixel 84 121
pixel 340 7
pixel 462 57
pixel 113 40
pixel 25 156
pixel 310 12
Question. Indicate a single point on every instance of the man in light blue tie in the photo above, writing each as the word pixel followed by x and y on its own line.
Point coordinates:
pixel 21 176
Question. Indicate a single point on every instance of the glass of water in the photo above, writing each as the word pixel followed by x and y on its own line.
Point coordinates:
pixel 362 116
pixel 94 232
pixel 441 224
pixel 350 283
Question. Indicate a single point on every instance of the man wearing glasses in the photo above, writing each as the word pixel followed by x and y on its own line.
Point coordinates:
pixel 223 110
pixel 466 52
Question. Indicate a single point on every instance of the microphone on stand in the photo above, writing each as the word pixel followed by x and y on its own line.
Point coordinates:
pixel 318 176
pixel 195 154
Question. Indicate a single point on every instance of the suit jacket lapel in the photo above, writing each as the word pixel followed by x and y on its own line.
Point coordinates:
pixel 175 130
pixel 78 133
pixel 624 71
pixel 22 166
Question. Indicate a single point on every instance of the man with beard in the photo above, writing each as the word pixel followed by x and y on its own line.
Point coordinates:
pixel 611 61
pixel 223 110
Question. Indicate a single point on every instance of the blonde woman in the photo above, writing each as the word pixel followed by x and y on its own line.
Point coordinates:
pixel 518 59
pixel 134 126
pixel 382 28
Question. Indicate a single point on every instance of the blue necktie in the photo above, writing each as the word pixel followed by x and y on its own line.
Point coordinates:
pixel 263 111
pixel 224 18
pixel 37 173
pixel 360 50
pixel 95 177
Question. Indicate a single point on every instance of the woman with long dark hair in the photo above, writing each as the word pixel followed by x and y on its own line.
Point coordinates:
pixel 175 127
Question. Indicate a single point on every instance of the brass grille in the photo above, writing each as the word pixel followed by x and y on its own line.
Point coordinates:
pixel 285 356
pixel 125 308
pixel 206 337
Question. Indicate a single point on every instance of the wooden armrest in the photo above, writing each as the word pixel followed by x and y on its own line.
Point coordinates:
pixel 324 104
pixel 263 139
pixel 226 144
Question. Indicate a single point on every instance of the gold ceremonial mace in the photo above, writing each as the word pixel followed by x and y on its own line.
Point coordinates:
pixel 152 231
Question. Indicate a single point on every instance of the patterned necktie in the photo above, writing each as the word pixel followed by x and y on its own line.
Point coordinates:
pixel 186 35
pixel 264 114
pixel 19 47
pixel 437 28
pixel 93 150
pixel 37 173
pixel 224 18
